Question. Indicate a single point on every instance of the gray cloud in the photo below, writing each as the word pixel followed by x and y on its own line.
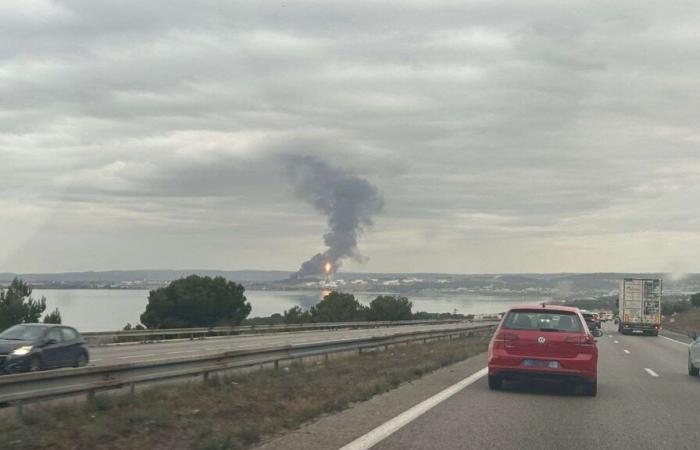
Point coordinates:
pixel 561 137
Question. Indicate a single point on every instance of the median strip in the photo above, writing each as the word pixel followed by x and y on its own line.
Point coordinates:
pixel 231 411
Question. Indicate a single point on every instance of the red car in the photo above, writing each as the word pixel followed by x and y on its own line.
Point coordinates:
pixel 544 342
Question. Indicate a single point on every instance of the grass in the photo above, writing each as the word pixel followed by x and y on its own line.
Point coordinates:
pixel 228 412
pixel 683 322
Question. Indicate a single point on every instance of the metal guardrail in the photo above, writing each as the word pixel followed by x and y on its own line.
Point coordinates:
pixel 20 388
pixel 110 337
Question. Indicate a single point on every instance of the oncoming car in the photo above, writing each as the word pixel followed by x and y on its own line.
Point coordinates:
pixel 544 342
pixel 33 347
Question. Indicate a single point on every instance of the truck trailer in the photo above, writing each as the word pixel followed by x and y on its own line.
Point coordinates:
pixel 640 306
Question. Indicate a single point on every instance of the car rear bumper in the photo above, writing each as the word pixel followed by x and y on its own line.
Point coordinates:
pixel 581 368
pixel 640 326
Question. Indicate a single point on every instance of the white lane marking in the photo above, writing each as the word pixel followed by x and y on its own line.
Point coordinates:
pixel 137 356
pixel 388 428
pixel 610 336
pixel 651 372
pixel 627 351
pixel 183 351
pixel 673 340
pixel 95 360
pixel 617 342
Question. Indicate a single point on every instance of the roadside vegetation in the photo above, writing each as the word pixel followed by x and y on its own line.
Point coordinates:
pixel 682 315
pixel 208 302
pixel 231 412
pixel 18 306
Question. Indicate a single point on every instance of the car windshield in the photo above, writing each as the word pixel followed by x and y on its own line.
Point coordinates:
pixel 542 321
pixel 22 333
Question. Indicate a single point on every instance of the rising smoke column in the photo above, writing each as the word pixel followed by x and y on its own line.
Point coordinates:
pixel 348 201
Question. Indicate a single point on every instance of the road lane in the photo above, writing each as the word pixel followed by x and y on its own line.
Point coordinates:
pixel 634 409
pixel 101 356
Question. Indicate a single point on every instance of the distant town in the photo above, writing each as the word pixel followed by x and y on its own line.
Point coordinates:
pixel 528 286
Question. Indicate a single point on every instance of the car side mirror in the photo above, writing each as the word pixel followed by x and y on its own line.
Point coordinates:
pixel 50 341
pixel 693 335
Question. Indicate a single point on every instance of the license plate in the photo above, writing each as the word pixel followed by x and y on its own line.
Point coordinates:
pixel 540 363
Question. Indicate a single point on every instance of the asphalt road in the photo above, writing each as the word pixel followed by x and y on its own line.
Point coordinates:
pixel 101 356
pixel 646 400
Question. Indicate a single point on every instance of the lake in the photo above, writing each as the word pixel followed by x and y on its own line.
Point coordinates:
pixel 111 309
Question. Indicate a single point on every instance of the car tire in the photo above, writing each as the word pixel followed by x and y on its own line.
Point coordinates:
pixel 692 370
pixel 35 364
pixel 590 389
pixel 495 383
pixel 81 360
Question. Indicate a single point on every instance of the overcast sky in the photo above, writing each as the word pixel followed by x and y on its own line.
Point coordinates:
pixel 504 136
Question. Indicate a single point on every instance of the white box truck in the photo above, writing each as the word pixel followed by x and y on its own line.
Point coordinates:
pixel 640 306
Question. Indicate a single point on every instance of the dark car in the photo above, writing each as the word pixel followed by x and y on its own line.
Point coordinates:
pixel 32 347
pixel 591 320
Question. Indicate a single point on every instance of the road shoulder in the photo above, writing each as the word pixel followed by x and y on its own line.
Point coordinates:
pixel 336 430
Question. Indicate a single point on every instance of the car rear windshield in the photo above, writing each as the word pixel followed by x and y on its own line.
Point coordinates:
pixel 543 321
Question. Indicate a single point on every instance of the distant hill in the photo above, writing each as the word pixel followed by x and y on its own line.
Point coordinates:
pixel 120 276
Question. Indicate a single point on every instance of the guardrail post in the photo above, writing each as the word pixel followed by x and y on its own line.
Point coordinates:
pixel 132 388
pixel 91 396
pixel 20 408
pixel 325 357
pixel 205 377
pixel 277 364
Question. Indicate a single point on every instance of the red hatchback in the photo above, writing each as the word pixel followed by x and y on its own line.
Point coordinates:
pixel 544 342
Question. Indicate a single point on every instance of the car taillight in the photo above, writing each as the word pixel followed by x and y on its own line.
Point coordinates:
pixel 580 341
pixel 503 339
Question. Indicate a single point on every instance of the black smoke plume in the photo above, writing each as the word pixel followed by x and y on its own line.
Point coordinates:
pixel 348 201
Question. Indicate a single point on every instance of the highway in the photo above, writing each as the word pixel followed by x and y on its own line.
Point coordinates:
pixel 119 354
pixel 646 400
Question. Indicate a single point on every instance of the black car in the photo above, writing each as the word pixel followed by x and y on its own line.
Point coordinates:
pixel 591 320
pixel 33 346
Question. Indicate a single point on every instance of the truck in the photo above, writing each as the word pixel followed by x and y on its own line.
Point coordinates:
pixel 639 303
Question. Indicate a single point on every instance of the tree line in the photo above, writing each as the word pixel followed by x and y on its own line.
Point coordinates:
pixel 197 301
pixel 18 306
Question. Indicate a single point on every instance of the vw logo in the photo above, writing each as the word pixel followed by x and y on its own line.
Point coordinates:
pixel 541 339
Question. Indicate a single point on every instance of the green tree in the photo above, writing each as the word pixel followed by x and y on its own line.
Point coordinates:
pixel 18 306
pixel 387 307
pixel 53 317
pixel 338 307
pixel 196 302
pixel 695 300
pixel 296 315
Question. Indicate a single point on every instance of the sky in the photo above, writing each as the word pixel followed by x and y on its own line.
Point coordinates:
pixel 503 136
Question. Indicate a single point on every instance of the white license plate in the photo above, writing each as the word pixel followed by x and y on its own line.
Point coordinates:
pixel 540 363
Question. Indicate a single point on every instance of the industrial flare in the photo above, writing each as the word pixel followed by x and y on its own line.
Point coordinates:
pixel 328 268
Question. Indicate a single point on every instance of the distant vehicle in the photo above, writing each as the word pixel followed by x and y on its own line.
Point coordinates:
pixel 694 355
pixel 33 347
pixel 640 306
pixel 543 342
pixel 591 320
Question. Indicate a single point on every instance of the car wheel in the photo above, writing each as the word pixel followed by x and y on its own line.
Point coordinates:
pixel 81 360
pixel 495 382
pixel 590 389
pixel 35 364
pixel 692 370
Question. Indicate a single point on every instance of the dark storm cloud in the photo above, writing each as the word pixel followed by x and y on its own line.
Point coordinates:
pixel 541 124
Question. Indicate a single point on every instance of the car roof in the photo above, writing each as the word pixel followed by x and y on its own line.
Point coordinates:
pixel 42 325
pixel 540 307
